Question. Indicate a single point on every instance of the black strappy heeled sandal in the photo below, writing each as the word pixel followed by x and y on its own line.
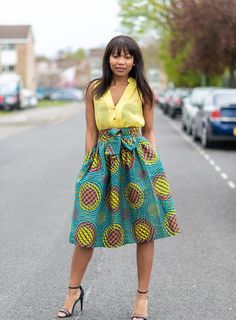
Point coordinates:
pixel 67 312
pixel 140 316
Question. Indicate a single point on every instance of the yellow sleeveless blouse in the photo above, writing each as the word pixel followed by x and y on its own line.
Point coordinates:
pixel 128 111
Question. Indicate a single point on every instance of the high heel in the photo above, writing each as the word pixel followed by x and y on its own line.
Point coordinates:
pixel 81 298
pixel 140 316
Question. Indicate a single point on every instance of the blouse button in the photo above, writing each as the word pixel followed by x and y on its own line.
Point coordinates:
pixel 114 118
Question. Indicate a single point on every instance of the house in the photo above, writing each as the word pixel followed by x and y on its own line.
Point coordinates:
pixel 95 57
pixel 47 72
pixel 17 53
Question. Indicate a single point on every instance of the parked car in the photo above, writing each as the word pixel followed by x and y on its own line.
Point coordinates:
pixel 176 101
pixel 191 105
pixel 28 99
pixel 10 91
pixel 67 94
pixel 44 92
pixel 40 94
pixel 215 120
pixel 160 98
pixel 167 97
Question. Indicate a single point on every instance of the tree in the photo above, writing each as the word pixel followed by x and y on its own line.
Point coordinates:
pixel 209 27
pixel 204 29
pixel 174 66
pixel 139 18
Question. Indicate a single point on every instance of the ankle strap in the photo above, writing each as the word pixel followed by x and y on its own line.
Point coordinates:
pixel 74 287
pixel 142 291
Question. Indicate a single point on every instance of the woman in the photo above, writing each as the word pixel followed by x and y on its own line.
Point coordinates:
pixel 122 194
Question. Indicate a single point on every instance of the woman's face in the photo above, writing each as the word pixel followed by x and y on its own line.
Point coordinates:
pixel 121 64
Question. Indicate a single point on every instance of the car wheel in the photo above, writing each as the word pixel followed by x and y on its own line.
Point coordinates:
pixel 183 125
pixel 171 113
pixel 188 128
pixel 194 132
pixel 205 138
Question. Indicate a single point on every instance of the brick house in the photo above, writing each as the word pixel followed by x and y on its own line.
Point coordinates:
pixel 17 53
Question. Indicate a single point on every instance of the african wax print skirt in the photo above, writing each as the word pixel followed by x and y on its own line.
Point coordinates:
pixel 122 194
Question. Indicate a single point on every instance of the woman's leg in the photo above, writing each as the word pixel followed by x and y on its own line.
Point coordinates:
pixel 144 255
pixel 80 259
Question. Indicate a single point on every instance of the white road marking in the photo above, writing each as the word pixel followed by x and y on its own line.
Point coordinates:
pixel 217 168
pixel 202 152
pixel 224 175
pixel 231 184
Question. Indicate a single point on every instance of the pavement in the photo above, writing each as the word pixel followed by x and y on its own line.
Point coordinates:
pixel 39 116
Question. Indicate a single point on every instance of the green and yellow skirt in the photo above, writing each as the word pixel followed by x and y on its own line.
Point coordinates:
pixel 122 194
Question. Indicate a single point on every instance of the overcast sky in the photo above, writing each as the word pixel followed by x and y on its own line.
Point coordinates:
pixel 58 24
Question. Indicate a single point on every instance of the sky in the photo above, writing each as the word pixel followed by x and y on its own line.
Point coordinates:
pixel 60 24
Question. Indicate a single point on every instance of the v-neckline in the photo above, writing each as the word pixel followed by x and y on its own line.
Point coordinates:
pixel 121 97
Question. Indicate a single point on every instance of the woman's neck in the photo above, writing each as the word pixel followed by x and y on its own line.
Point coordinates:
pixel 119 80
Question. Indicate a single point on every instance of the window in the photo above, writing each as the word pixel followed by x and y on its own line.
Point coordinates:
pixel 225 98
pixel 8 68
pixel 8 46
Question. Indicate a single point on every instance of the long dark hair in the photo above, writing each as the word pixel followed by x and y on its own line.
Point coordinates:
pixel 130 46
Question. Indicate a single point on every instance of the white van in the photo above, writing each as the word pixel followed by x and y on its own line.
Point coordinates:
pixel 13 95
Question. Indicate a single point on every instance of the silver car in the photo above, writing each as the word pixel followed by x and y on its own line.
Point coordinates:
pixel 191 106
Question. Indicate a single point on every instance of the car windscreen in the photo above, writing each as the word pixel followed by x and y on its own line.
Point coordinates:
pixel 182 93
pixel 224 99
pixel 199 96
pixel 8 89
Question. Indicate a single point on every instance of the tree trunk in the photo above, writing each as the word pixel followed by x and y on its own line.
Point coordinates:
pixel 231 82
pixel 203 80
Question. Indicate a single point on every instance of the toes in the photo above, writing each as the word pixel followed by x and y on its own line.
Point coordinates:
pixel 63 313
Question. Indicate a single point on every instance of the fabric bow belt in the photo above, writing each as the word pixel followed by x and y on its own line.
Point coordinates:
pixel 115 138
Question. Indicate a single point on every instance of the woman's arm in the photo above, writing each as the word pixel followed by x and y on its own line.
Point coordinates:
pixel 91 136
pixel 148 130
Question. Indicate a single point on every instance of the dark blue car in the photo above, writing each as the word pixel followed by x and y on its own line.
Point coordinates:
pixel 215 120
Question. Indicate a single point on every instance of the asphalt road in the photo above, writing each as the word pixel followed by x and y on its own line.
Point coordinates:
pixel 194 274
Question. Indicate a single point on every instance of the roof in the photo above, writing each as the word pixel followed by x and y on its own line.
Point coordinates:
pixel 14 31
pixel 223 91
